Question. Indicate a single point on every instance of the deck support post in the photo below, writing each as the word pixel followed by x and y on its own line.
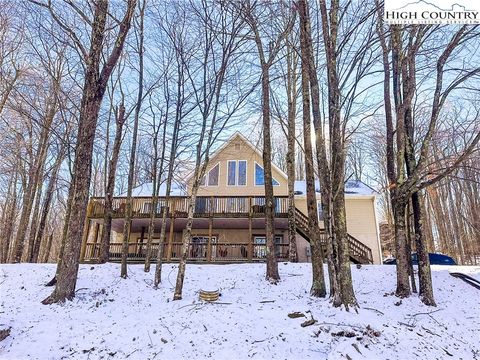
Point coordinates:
pixel 209 244
pixel 95 252
pixel 250 238
pixel 86 232
pixel 97 230
pixel 170 239
pixel 142 237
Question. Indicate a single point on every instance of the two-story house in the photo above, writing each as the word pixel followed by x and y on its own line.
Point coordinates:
pixel 229 219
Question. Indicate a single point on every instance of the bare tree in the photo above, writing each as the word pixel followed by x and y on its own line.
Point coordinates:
pixel 407 168
pixel 96 80
pixel 251 12
pixel 110 185
pixel 157 170
pixel 318 282
pixel 131 169
pixel 214 78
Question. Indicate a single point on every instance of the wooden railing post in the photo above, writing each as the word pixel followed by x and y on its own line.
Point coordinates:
pixel 170 238
pixel 209 244
pixel 250 237
pixel 140 243
pixel 86 231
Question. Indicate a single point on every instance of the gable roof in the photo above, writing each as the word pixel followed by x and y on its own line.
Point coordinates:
pixel 235 135
pixel 352 187
pixel 145 190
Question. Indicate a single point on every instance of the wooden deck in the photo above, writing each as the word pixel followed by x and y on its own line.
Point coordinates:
pixel 220 252
pixel 208 207
pixel 205 206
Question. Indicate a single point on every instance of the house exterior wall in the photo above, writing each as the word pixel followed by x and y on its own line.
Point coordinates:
pixel 230 236
pixel 360 209
pixel 238 149
pixel 361 223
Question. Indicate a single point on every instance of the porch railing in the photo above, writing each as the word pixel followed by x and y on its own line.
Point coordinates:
pixel 221 252
pixel 178 206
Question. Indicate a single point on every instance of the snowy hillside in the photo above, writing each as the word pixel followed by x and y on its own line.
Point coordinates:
pixel 113 318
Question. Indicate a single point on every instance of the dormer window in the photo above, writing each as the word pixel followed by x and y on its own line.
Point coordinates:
pixel 237 172
pixel 211 178
pixel 260 176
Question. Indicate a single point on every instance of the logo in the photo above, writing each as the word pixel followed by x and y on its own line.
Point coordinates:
pixel 432 12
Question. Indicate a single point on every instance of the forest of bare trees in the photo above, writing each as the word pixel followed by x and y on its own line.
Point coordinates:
pixel 99 97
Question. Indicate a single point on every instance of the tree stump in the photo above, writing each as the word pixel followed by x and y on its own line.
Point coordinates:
pixel 209 295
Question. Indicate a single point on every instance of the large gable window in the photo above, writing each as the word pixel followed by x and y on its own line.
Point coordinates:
pixel 237 173
pixel 232 172
pixel 260 176
pixel 211 178
pixel 242 173
pixel 213 175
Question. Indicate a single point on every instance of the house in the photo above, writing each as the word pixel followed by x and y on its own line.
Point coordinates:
pixel 229 219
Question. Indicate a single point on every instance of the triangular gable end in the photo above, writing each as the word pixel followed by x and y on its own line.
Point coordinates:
pixel 232 138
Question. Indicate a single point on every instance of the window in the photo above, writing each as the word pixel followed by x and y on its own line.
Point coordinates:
pixel 237 173
pixel 211 178
pixel 260 176
pixel 213 175
pixel 198 246
pixel 242 172
pixel 232 175
pixel 260 246
pixel 320 211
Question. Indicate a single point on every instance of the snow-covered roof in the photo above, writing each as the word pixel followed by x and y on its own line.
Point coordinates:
pixel 146 190
pixel 352 187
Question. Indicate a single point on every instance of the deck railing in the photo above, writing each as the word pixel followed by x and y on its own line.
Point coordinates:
pixel 178 206
pixel 221 252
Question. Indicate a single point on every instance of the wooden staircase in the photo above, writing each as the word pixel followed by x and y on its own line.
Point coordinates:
pixel 359 252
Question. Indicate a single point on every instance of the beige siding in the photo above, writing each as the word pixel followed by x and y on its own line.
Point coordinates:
pixel 302 246
pixel 238 149
pixel 361 222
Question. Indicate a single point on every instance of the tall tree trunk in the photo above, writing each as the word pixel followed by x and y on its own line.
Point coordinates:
pixel 292 103
pixel 171 163
pixel 93 91
pixel 34 191
pixel 157 181
pixel 272 274
pixel 321 147
pixel 52 182
pixel 110 187
pixel 410 231
pixel 347 294
pixel 424 271
pixel 318 282
pixel 9 219
pixel 330 23
pixel 153 208
pixel 128 209
pixel 34 221
pixel 403 283
pixel 48 248
pixel 18 245
pixel 185 243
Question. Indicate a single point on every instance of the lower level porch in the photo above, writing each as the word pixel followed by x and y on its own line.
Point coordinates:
pixel 214 240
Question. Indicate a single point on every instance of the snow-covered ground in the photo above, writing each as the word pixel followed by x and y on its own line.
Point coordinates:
pixel 112 318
